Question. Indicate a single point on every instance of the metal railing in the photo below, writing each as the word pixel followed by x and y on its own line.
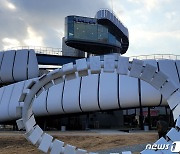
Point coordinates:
pixel 58 52
pixel 157 57
pixel 41 50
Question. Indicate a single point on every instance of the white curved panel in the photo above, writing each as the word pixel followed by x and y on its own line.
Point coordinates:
pixel 54 98
pixel 14 101
pixel 6 72
pixel 178 66
pixel 27 82
pixel 1 93
pixel 128 92
pixel 89 93
pixel 71 96
pixel 33 69
pixel 108 91
pixel 20 65
pixel 168 67
pixel 39 104
pixel 1 58
pixel 4 116
pixel 149 95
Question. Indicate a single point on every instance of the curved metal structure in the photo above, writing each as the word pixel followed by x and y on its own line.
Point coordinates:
pixel 92 91
pixel 18 65
pixel 70 72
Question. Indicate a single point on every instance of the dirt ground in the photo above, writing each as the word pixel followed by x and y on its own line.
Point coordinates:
pixel 15 143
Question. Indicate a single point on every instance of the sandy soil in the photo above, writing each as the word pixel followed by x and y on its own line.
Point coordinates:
pixel 15 143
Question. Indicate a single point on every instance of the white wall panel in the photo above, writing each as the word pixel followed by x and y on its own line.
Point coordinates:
pixel 39 104
pixel 89 93
pixel 168 67
pixel 14 101
pixel 54 105
pixel 71 96
pixel 1 93
pixel 4 106
pixel 149 95
pixel 1 58
pixel 6 72
pixel 178 66
pixel 128 92
pixel 20 65
pixel 33 70
pixel 108 91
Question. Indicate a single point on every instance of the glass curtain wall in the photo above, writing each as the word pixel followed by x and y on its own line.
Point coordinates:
pixel 89 32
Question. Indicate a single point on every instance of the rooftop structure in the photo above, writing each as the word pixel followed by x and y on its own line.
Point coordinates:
pixel 100 35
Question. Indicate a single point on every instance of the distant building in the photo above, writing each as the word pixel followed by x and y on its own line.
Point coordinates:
pixel 69 51
pixel 101 35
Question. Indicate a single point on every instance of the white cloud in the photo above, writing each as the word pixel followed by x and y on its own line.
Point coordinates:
pixel 11 6
pixel 33 38
pixel 139 34
pixel 9 43
pixel 153 24
pixel 149 5
pixel 170 15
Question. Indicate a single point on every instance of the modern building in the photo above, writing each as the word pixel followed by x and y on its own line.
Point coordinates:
pixel 100 35
pixel 71 52
pixel 103 100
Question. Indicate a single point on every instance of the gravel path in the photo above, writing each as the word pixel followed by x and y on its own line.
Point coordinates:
pixel 133 148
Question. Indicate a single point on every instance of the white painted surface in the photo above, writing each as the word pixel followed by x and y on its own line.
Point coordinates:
pixel 123 64
pixel 109 63
pixel 4 106
pixel 6 72
pixel 128 92
pixel 57 147
pixel 89 93
pixel 95 64
pixel 39 104
pixel 108 91
pixel 71 96
pixel 33 69
pixel 45 143
pixel 1 58
pixel 20 65
pixel 147 90
pixel 14 101
pixel 178 67
pixel 54 105
pixel 35 135
pixel 168 67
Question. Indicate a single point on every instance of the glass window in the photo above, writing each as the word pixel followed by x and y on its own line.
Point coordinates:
pixel 85 31
pixel 91 32
pixel 70 30
pixel 79 31
pixel 118 43
pixel 112 39
pixel 69 19
pixel 102 34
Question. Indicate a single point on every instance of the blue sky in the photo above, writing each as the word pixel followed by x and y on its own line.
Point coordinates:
pixel 154 25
